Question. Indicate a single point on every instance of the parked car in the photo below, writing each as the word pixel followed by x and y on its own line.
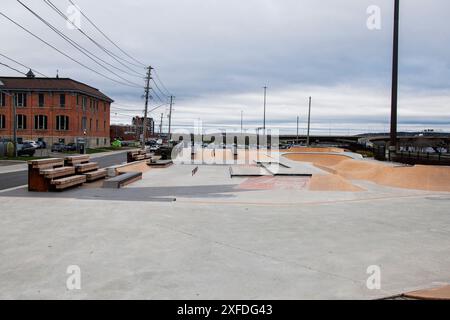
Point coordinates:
pixel 33 143
pixel 27 149
pixel 58 147
pixel 42 144
pixel 70 147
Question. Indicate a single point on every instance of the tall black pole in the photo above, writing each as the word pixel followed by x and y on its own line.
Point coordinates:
pixel 309 123
pixel 265 101
pixel 394 95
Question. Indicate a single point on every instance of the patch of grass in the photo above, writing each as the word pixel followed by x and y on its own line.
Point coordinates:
pixel 23 158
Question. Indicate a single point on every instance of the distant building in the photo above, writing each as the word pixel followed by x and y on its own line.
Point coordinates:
pixel 138 122
pixel 54 110
pixel 132 132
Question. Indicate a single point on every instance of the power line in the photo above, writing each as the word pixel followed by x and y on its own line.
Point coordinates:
pixel 162 84
pixel 108 38
pixel 156 94
pixel 77 46
pixel 157 87
pixel 63 53
pixel 12 68
pixel 21 64
pixel 111 54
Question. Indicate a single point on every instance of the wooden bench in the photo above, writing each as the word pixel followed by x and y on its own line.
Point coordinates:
pixel 74 160
pixel 122 180
pixel 64 183
pixel 96 175
pixel 36 180
pixel 58 172
pixel 86 167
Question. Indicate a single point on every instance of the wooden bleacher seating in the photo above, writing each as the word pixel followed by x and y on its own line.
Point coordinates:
pixel 51 174
pixel 138 155
pixel 83 166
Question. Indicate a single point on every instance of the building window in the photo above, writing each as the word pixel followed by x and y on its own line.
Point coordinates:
pixel 40 122
pixel 2 121
pixel 78 99
pixel 2 99
pixel 62 100
pixel 96 125
pixel 98 142
pixel 83 123
pixel 84 103
pixel 62 123
pixel 21 121
pixel 20 99
pixel 41 100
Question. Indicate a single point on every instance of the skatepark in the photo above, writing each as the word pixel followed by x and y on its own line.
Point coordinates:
pixel 253 224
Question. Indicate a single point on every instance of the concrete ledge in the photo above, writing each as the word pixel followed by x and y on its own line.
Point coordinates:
pixel 122 180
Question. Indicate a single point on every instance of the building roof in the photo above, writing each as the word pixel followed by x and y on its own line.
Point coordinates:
pixel 50 84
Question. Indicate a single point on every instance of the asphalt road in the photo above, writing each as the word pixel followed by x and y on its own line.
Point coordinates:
pixel 20 178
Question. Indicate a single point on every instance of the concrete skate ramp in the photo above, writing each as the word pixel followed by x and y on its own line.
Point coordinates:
pixel 442 293
pixel 332 183
pixel 429 178
pixel 318 159
pixel 140 166
pixel 306 149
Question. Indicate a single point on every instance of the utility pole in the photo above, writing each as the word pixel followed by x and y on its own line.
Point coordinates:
pixel 309 122
pixel 147 96
pixel 161 125
pixel 242 122
pixel 298 120
pixel 170 118
pixel 265 101
pixel 393 143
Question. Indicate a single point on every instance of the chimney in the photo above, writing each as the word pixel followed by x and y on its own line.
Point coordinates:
pixel 30 75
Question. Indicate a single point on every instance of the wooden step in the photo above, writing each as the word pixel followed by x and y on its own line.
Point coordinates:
pixel 58 172
pixel 46 163
pixel 68 182
pixel 86 167
pixel 96 175
pixel 74 160
pixel 139 157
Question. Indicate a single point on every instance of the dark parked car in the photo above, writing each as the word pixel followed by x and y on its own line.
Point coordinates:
pixel 58 147
pixel 27 150
pixel 42 144
pixel 71 147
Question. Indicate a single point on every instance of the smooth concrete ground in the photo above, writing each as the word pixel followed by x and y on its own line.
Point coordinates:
pixel 220 241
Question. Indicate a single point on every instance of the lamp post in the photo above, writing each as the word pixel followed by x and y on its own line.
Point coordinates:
pixel 394 95
pixel 265 102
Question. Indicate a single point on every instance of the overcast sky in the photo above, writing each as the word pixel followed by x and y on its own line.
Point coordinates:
pixel 216 55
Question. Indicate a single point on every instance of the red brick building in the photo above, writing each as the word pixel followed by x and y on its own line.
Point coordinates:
pixel 132 132
pixel 54 110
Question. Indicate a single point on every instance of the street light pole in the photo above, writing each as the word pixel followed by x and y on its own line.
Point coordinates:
pixel 394 96
pixel 265 101
pixel 242 122
pixel 309 122
pixel 298 120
